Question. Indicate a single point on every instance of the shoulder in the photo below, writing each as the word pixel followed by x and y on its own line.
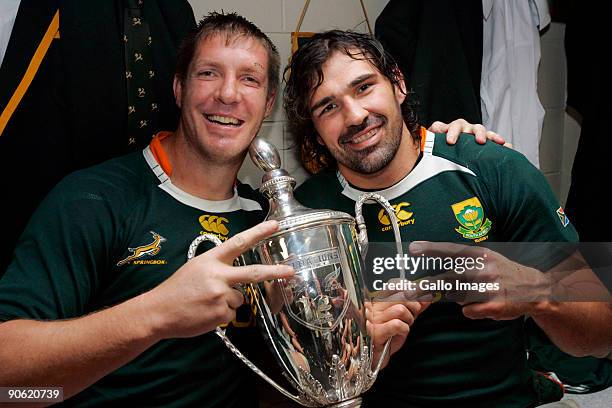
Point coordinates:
pixel 325 178
pixel 484 160
pixel 117 180
pixel 322 185
pixel 250 197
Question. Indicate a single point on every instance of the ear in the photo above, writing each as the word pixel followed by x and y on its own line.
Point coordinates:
pixel 400 87
pixel 270 103
pixel 177 87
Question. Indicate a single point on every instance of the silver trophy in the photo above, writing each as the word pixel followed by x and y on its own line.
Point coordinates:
pixel 314 323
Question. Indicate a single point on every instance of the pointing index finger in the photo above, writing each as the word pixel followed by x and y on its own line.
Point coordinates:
pixel 257 273
pixel 239 243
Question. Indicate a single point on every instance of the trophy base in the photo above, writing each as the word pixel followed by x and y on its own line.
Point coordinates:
pixel 352 403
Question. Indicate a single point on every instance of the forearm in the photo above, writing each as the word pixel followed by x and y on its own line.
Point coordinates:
pixel 74 353
pixel 578 328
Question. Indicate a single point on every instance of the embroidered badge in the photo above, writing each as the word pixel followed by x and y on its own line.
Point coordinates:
pixel 403 217
pixel 150 250
pixel 215 225
pixel 562 217
pixel 473 223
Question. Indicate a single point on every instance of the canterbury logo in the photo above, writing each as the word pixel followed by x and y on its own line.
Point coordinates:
pixel 400 213
pixel 151 249
pixel 214 223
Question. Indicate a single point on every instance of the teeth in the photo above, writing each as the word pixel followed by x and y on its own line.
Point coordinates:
pixel 223 119
pixel 365 137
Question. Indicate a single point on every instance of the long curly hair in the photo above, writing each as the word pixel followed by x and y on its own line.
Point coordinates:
pixel 304 75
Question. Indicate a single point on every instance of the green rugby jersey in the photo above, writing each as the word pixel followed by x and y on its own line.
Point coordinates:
pixel 467 193
pixel 112 232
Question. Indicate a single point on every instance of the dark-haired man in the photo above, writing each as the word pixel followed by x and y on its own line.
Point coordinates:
pixel 346 103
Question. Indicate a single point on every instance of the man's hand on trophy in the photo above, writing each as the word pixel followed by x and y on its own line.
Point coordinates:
pixel 484 282
pixel 201 295
pixel 391 318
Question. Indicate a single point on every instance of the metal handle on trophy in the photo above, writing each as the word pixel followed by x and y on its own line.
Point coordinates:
pixel 363 244
pixel 221 332
pixel 361 226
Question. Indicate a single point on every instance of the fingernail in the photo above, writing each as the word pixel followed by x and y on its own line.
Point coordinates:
pixel 416 247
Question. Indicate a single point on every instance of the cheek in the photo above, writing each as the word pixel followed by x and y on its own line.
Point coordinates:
pixel 329 129
pixel 200 91
pixel 322 131
pixel 256 103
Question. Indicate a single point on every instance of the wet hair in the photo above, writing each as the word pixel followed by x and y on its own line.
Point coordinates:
pixel 304 75
pixel 234 27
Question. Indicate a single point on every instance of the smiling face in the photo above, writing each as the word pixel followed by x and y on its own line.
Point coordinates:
pixel 356 112
pixel 224 97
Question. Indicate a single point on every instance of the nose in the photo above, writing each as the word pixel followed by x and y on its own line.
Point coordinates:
pixel 228 92
pixel 354 112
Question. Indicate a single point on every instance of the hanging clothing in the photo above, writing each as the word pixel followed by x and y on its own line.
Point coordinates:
pixel 75 112
pixel 8 12
pixel 438 47
pixel 510 58
pixel 142 107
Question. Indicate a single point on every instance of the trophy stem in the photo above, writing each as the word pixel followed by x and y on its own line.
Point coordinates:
pixel 352 403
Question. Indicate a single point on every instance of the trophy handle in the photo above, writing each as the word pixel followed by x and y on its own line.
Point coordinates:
pixel 228 343
pixel 362 239
pixel 221 332
pixel 193 247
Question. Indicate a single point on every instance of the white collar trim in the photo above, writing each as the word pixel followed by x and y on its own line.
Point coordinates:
pixel 232 204
pixel 428 167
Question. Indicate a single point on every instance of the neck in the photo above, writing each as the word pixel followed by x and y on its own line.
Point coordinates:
pixel 196 174
pixel 402 163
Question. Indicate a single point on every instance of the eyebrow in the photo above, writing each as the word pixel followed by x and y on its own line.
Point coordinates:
pixel 360 79
pixel 321 103
pixel 253 70
pixel 352 84
pixel 199 64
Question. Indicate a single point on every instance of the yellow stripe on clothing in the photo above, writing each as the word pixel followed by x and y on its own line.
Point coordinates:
pixel 28 77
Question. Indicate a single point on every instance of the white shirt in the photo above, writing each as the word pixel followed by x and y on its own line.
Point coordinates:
pixel 8 13
pixel 510 58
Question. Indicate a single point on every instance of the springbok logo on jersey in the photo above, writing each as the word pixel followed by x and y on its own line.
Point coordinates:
pixel 403 217
pixel 151 249
pixel 474 224
pixel 215 225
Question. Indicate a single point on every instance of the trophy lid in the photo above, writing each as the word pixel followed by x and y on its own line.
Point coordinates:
pixel 277 186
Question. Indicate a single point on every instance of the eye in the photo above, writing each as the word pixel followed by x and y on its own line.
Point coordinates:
pixel 205 73
pixel 363 87
pixel 328 108
pixel 251 79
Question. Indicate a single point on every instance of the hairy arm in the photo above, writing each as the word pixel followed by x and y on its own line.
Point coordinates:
pixel 74 353
pixel 568 301
pixel 576 314
pixel 578 327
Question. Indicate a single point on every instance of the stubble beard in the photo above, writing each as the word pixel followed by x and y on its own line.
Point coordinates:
pixel 223 157
pixel 374 158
